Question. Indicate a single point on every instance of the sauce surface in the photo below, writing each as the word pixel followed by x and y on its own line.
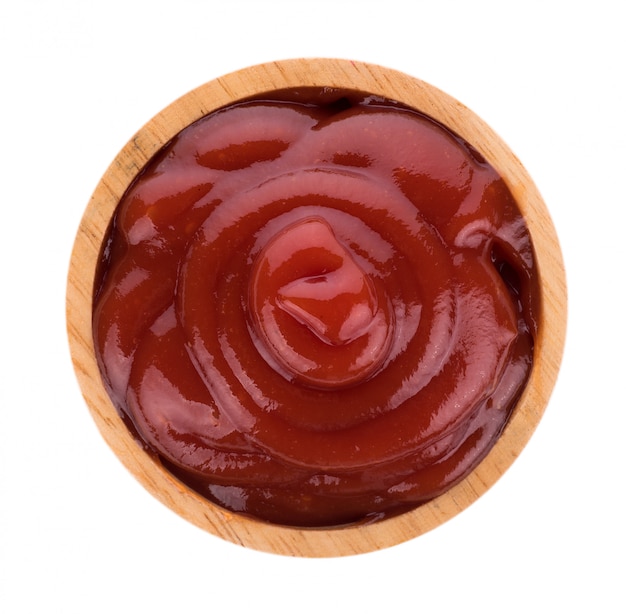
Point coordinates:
pixel 316 309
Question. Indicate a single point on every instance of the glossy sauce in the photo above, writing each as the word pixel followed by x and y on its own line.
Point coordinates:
pixel 318 308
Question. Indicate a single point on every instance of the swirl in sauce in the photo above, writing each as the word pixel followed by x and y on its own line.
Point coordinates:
pixel 317 308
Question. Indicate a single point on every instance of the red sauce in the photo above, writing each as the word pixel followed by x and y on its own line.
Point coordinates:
pixel 318 308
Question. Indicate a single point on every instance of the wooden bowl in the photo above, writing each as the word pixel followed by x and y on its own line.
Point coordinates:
pixel 250 82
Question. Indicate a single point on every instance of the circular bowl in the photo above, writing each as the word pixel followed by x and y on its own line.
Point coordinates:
pixel 253 81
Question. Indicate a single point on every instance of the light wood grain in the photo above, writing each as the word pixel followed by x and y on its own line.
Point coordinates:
pixel 330 73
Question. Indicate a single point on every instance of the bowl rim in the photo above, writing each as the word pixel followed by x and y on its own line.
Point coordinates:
pixel 253 81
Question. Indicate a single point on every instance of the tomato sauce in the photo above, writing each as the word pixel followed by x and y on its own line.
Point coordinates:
pixel 317 307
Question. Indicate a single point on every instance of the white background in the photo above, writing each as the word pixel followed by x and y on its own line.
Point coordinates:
pixel 78 534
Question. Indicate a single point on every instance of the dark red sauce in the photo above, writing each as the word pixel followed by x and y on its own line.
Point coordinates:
pixel 318 308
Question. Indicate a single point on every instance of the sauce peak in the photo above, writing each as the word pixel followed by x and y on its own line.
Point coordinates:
pixel 337 332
